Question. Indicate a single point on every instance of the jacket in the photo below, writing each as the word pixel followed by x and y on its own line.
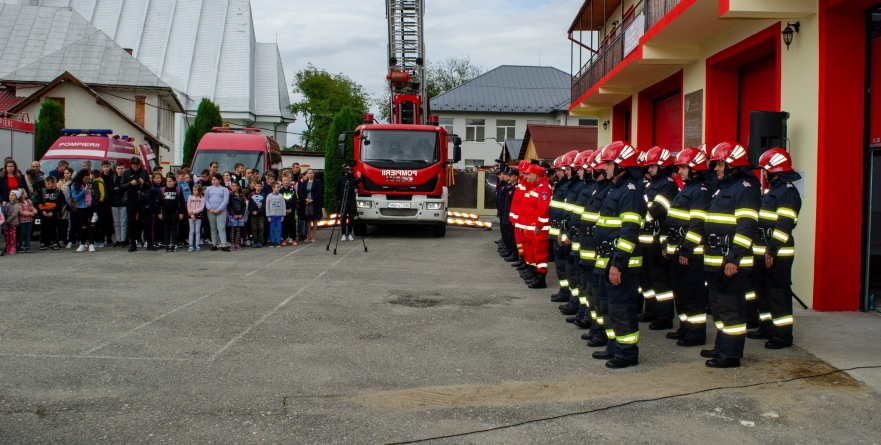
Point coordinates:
pixel 341 188
pixel 255 204
pixel 686 217
pixel 778 216
pixel 154 199
pixel 557 207
pixel 290 197
pixel 78 196
pixel 731 224
pixel 593 201
pixel 195 205
pixel 131 192
pixel 98 191
pixel 5 189
pixel 275 205
pixel 535 208
pixel 617 230
pixel 317 199
pixel 172 200
pixel 11 213
pixel 519 192
pixel 26 212
pixel 114 189
pixel 236 205
pixel 659 195
pixel 216 197
pixel 572 211
pixel 50 201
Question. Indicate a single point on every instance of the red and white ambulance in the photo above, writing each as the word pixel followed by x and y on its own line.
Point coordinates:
pixel 78 145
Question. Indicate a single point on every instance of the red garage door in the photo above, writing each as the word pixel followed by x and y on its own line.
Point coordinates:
pixel 667 129
pixel 757 92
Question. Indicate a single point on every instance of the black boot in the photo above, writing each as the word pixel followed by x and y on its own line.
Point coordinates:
pixel 511 258
pixel 539 282
pixel 132 247
pixel 723 362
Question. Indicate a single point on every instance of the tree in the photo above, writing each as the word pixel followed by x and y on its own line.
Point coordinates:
pixel 48 126
pixel 207 117
pixel 324 95
pixel 345 120
pixel 440 76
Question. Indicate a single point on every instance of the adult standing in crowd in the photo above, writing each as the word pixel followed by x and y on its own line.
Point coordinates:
pixel 39 179
pixel 11 179
pixel 311 203
pixel 117 205
pixel 216 200
pixel 58 173
pixel 135 183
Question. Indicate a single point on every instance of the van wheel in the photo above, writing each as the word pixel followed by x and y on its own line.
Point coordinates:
pixel 359 229
pixel 439 230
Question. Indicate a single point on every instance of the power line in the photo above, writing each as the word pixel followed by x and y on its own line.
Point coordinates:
pixel 623 404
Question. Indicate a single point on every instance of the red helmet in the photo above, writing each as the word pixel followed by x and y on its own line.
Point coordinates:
pixel 731 152
pixel 558 163
pixel 621 153
pixel 693 158
pixel 658 156
pixel 703 148
pixel 596 161
pixel 569 158
pixel 583 159
pixel 536 169
pixel 641 160
pixel 522 165
pixel 776 160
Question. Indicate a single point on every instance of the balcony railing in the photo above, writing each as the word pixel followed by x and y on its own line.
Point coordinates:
pixel 611 52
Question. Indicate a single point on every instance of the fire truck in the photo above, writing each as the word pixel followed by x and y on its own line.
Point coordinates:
pixel 404 166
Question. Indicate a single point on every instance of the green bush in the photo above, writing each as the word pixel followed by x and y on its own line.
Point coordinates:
pixel 207 117
pixel 345 120
pixel 48 127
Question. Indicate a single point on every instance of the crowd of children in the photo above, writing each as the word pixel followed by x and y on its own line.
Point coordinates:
pixel 226 210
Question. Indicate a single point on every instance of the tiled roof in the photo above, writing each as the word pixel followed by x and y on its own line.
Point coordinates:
pixel 509 89
pixel 8 99
pixel 554 140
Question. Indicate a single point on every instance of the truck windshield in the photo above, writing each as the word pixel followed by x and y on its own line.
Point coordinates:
pixel 400 147
pixel 227 159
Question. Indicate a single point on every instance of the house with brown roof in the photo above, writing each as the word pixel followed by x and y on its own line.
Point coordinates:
pixel 547 142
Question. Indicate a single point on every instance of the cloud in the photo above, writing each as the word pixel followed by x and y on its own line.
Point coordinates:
pixel 350 36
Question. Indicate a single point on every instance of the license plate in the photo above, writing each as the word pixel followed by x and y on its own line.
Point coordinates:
pixel 399 205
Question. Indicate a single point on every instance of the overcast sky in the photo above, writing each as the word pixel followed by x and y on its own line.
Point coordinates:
pixel 350 36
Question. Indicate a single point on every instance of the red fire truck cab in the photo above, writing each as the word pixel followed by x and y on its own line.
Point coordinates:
pixel 404 171
pixel 229 147
pixel 78 145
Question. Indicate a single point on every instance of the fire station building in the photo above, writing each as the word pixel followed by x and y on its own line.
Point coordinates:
pixel 679 73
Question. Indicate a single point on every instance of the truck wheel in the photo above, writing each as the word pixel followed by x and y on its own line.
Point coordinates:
pixel 439 230
pixel 359 229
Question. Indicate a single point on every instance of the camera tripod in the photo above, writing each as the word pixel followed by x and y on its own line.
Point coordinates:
pixel 343 215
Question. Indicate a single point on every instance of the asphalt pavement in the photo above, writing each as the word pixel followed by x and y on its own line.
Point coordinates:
pixel 418 338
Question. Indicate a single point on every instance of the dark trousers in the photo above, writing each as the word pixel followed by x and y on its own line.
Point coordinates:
pixel 622 322
pixel 289 226
pixel 774 298
pixel 573 276
pixel 85 227
pixel 347 219
pixel 257 228
pixel 585 293
pixel 139 219
pixel 560 253
pixel 105 223
pixel 507 230
pixel 727 296
pixel 599 306
pixel 659 299
pixel 48 230
pixel 170 224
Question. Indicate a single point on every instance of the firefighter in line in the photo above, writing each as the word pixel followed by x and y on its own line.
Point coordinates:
pixel 685 248
pixel 571 273
pixel 731 224
pixel 619 254
pixel 581 165
pixel 596 305
pixel 501 180
pixel 557 212
pixel 507 187
pixel 514 216
pixel 661 191
pixel 536 226
pixel 775 249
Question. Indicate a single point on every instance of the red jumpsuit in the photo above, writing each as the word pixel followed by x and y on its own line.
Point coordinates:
pixel 534 214
pixel 514 214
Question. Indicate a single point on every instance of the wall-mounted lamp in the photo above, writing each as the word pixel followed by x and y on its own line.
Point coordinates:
pixel 606 125
pixel 614 24
pixel 787 33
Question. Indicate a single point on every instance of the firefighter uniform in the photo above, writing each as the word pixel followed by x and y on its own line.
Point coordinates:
pixel 617 237
pixel 560 250
pixel 686 237
pixel 730 227
pixel 660 193
pixel 597 305
pixel 568 235
pixel 534 214
pixel 506 196
pixel 514 214
pixel 777 218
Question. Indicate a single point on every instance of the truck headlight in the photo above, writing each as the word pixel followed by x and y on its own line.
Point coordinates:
pixel 365 204
pixel 434 205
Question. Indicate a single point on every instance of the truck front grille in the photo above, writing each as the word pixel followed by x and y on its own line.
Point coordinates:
pixel 398 212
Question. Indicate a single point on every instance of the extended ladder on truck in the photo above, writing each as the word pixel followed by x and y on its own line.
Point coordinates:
pixel 405 61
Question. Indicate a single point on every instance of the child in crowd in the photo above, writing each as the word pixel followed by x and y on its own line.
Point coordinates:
pixel 268 180
pixel 205 182
pixel 171 211
pixel 99 195
pixel 105 212
pixel 183 181
pixel 236 211
pixel 50 201
pixel 246 195
pixel 65 226
pixel 258 213
pixel 289 226
pixel 26 214
pixel 81 208
pixel 195 208
pixel 275 210
pixel 154 197
pixel 10 213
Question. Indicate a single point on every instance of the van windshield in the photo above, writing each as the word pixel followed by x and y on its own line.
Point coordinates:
pixel 227 160
pixel 410 148
pixel 47 165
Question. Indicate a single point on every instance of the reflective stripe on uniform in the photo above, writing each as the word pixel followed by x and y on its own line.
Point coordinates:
pixel 713 260
pixel 764 316
pixel 646 239
pixel 698 214
pixel 648 293
pixel 699 250
pixel 625 245
pixel 556 204
pixel 758 250
pixel 576 209
pixel 564 283
pixel 721 218
pixel 628 339
pixel 574 290
pixel 610 334
pixel 602 262
pixel 783 321
pixel 747 261
pixel 631 217
pixel 542 265
pixel 768 215
pixel 698 319
pixel 576 246
pixel 583 301
pixel 599 319
pixel 743 241
pixel 683 317
pixel 746 213
pixel 738 329
pixel 609 222
pixel 789 213
pixel 786 251
pixel 719 325
pixel 671 249
pixel 662 201
pixel 693 237
pixel 678 214
pixel 555 231
pixel 593 315
pixel 751 295
pixel 780 235
pixel 665 296
pixel 587 254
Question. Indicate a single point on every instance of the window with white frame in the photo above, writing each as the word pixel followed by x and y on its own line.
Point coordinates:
pixel 475 130
pixel 447 123
pixel 474 163
pixel 588 122
pixel 505 129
